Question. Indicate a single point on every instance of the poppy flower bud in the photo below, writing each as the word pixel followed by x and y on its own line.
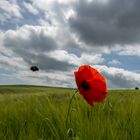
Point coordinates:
pixel 91 84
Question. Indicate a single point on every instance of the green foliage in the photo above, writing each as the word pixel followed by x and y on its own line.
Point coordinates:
pixel 40 113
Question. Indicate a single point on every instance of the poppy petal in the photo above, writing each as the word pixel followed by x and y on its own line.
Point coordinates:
pixel 91 84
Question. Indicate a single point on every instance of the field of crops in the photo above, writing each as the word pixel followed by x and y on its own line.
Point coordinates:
pixel 41 113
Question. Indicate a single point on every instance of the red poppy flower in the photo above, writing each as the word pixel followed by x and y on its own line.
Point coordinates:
pixel 91 84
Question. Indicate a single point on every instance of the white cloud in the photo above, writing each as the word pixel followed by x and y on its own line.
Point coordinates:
pixel 30 8
pixel 1 39
pixel 120 78
pixel 66 1
pixel 44 5
pixel 69 13
pixel 62 55
pixel 100 1
pixel 132 50
pixel 8 60
pixel 61 79
pixel 8 11
pixel 114 62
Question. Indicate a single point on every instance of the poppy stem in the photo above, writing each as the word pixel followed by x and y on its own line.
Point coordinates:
pixel 68 112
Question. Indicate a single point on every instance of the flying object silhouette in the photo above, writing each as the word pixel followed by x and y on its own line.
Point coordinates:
pixel 34 68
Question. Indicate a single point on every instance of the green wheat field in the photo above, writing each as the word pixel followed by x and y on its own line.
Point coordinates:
pixel 45 113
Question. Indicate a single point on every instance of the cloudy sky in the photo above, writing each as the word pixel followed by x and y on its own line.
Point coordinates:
pixel 60 35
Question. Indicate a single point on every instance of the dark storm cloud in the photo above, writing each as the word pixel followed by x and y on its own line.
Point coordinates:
pixel 48 64
pixel 109 23
pixel 44 62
